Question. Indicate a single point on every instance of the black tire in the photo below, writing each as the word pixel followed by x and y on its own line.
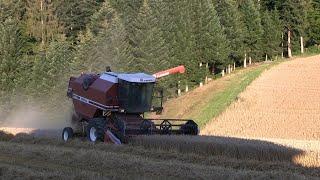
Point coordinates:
pixel 190 128
pixel 120 133
pixel 146 127
pixel 67 134
pixel 95 129
pixel 165 127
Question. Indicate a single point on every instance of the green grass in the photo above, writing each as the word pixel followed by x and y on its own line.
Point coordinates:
pixel 223 99
pixel 310 51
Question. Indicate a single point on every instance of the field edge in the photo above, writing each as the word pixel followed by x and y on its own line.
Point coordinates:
pixel 219 102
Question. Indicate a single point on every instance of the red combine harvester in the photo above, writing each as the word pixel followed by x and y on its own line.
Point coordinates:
pixel 111 106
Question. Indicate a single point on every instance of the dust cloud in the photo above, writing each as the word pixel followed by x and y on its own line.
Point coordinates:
pixel 31 116
pixel 32 119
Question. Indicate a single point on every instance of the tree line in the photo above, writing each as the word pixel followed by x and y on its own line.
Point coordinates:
pixel 43 42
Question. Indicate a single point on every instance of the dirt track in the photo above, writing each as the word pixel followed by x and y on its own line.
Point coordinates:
pixel 283 103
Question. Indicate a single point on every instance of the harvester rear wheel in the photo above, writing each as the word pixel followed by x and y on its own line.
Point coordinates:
pixel 95 129
pixel 67 134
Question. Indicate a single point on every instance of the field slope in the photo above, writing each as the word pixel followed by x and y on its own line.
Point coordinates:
pixel 283 103
pixel 204 103
pixel 237 144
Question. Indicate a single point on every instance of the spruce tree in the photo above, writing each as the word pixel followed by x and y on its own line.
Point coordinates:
pixel 128 11
pixel 74 15
pixel 42 22
pixel 14 9
pixel 184 42
pixel 102 19
pixel 169 21
pixel 11 44
pixel 314 20
pixel 149 50
pixel 254 31
pixel 212 45
pixel 234 28
pixel 105 44
pixel 50 69
pixel 293 14
pixel 272 33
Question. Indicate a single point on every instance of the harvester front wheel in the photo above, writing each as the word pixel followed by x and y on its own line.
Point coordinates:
pixel 146 127
pixel 120 130
pixel 67 134
pixel 95 129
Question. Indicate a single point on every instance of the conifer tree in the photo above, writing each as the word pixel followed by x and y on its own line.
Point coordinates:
pixel 314 20
pixel 102 19
pixel 212 45
pixel 106 43
pixel 293 14
pixel 272 33
pixel 174 19
pixel 183 41
pixel 172 24
pixel 128 11
pixel 234 28
pixel 14 9
pixel 149 48
pixel 41 21
pixel 11 44
pixel 74 15
pixel 254 31
pixel 49 69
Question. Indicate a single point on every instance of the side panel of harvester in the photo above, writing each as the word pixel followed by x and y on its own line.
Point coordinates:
pixel 91 102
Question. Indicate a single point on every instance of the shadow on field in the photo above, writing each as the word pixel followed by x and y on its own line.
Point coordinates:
pixel 236 148
pixel 182 156
pixel 220 146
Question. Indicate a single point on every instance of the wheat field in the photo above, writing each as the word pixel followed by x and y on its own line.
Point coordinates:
pixel 282 106
pixel 150 157
pixel 283 103
pixel 270 132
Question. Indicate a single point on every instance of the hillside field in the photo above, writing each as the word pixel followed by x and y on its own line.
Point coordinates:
pixel 234 143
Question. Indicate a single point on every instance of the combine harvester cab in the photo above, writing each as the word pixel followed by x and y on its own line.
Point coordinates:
pixel 110 107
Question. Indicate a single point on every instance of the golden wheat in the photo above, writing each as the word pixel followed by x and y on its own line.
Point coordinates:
pixel 263 116
pixel 151 157
pixel 283 103
pixel 282 106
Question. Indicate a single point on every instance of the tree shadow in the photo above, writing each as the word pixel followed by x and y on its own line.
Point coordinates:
pixel 265 155
pixel 227 152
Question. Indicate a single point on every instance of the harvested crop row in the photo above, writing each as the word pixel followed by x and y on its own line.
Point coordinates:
pixel 198 157
pixel 118 165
